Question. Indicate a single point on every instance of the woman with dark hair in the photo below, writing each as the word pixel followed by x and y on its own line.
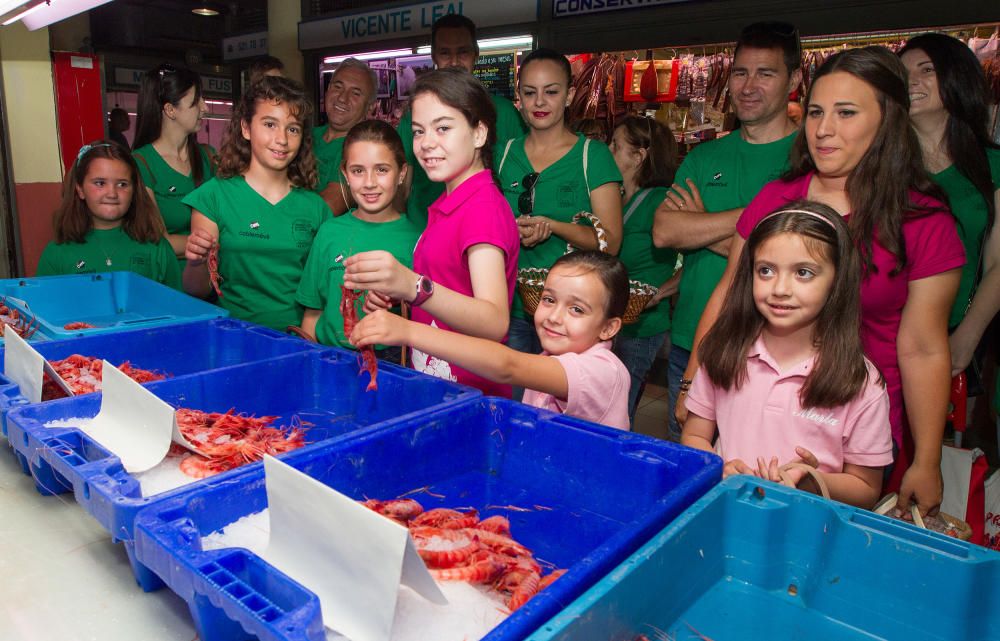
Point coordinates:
pixel 646 154
pixel 171 161
pixel 551 174
pixel 858 154
pixel 949 107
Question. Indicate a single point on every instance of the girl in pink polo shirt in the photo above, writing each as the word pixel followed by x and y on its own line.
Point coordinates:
pixel 784 378
pixel 580 311
pixel 465 263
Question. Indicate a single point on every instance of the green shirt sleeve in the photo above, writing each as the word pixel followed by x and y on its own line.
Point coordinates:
pixel 510 124
pixel 205 200
pixel 601 166
pixel 47 265
pixel 310 291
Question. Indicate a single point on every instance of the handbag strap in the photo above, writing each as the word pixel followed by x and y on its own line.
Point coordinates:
pixel 636 201
pixel 504 157
pixel 809 470
pixel 586 155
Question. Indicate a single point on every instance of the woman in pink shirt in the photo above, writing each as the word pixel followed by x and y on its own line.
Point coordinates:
pixel 858 154
pixel 465 263
pixel 784 377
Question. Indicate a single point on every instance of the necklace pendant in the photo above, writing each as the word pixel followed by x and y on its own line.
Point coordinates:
pixel 107 262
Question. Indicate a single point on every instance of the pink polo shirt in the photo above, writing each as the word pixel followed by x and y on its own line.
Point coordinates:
pixel 932 247
pixel 597 383
pixel 475 212
pixel 763 418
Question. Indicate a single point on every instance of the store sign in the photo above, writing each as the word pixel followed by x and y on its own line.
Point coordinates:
pixel 128 77
pixel 245 46
pixel 566 8
pixel 409 20
pixel 496 73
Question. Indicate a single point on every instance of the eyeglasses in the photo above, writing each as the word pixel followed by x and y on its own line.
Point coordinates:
pixel 526 201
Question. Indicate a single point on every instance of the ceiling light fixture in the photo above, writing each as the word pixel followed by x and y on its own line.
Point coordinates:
pixel 51 12
pixel 205 11
pixel 486 44
pixel 24 10
pixel 371 55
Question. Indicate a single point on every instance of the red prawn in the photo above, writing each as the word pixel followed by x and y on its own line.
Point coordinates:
pixel 78 325
pixel 213 269
pixel 426 537
pixel 25 326
pixel 83 374
pixel 483 567
pixel 448 519
pixel 348 309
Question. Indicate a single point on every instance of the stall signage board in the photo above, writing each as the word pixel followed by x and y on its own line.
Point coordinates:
pixel 129 77
pixel 568 8
pixel 246 46
pixel 496 72
pixel 409 20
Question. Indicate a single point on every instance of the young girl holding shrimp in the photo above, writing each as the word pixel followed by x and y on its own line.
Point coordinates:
pixel 107 221
pixel 259 211
pixel 783 376
pixel 580 311
pixel 374 165
pixel 465 263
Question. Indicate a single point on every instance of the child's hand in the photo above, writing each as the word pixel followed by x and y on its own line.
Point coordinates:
pixel 382 328
pixel 375 301
pixel 379 271
pixel 736 466
pixel 199 243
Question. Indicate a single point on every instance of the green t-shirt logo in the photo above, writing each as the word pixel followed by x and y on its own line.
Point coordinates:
pixel 303 232
pixel 567 193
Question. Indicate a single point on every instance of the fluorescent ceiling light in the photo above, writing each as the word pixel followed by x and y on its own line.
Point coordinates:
pixel 494 43
pixel 205 11
pixel 59 10
pixel 27 8
pixel 371 55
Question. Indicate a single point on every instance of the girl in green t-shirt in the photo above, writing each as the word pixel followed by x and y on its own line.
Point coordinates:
pixel 169 115
pixel 646 154
pixel 374 164
pixel 107 222
pixel 259 213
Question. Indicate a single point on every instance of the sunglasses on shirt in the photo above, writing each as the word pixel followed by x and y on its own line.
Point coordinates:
pixel 526 201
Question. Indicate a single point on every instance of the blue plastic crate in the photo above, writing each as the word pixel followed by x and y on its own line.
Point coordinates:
pixel 175 350
pixel 758 561
pixel 608 491
pixel 111 301
pixel 321 387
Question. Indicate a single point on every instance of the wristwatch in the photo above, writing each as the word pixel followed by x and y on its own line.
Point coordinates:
pixel 425 288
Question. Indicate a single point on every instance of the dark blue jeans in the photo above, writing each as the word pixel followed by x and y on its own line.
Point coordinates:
pixel 638 355
pixel 677 362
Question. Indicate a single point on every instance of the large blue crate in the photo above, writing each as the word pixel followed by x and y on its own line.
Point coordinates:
pixel 111 301
pixel 175 350
pixel 758 561
pixel 321 387
pixel 607 492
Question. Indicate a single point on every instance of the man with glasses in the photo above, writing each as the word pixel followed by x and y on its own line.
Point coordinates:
pixel 453 44
pixel 719 178
pixel 349 97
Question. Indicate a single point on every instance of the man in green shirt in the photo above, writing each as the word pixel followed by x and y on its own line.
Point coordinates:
pixel 349 97
pixel 453 44
pixel 719 178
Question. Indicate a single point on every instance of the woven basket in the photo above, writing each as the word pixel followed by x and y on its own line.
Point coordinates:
pixel 531 280
pixel 942 523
